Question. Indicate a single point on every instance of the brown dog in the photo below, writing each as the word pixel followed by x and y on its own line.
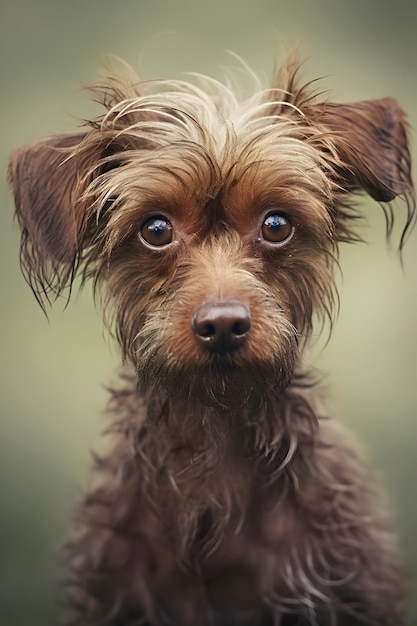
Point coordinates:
pixel 210 229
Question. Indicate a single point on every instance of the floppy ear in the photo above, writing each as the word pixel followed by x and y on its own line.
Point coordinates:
pixel 371 140
pixel 43 176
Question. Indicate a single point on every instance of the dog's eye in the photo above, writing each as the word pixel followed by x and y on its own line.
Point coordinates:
pixel 157 231
pixel 276 228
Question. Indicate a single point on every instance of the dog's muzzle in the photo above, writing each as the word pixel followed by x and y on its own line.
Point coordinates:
pixel 222 327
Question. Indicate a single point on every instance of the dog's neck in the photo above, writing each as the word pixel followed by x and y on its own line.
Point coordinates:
pixel 261 421
pixel 209 461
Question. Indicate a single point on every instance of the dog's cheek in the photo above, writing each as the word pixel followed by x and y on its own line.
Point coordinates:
pixel 132 290
pixel 302 281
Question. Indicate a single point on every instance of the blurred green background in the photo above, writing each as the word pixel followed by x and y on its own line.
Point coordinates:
pixel 53 373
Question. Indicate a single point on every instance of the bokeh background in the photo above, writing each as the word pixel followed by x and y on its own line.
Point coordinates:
pixel 53 372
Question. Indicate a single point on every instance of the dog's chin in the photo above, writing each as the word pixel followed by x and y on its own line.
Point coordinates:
pixel 222 385
pixel 233 393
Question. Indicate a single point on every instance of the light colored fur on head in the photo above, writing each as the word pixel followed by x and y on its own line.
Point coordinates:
pixel 175 127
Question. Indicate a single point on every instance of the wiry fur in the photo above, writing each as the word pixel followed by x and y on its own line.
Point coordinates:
pixel 225 495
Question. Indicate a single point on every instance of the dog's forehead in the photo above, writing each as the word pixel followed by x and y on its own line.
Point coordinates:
pixel 228 146
pixel 242 178
pixel 186 130
pixel 199 158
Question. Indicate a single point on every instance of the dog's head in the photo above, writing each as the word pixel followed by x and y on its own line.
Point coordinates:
pixel 210 226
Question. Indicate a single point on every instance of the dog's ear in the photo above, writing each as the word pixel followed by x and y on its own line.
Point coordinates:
pixel 44 178
pixel 370 138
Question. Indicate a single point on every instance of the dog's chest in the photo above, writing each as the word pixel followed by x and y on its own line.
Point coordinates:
pixel 234 576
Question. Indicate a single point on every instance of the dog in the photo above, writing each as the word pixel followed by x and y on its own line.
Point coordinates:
pixel 210 229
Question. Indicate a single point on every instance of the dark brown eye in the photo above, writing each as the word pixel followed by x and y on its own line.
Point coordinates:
pixel 276 228
pixel 157 231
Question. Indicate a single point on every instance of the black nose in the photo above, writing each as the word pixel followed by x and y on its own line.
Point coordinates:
pixel 221 326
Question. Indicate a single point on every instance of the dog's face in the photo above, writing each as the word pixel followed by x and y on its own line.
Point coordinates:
pixel 209 226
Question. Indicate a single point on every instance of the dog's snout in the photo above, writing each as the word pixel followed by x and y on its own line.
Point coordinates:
pixel 222 326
